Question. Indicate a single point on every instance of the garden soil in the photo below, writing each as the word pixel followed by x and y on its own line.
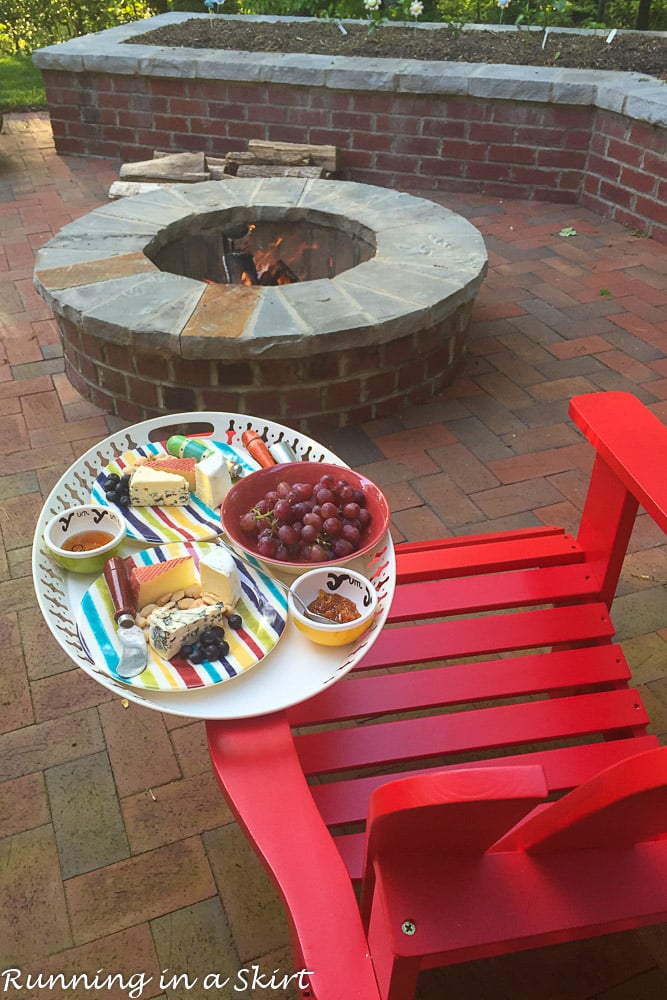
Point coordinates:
pixel 636 51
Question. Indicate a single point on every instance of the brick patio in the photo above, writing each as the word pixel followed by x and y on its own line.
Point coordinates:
pixel 116 850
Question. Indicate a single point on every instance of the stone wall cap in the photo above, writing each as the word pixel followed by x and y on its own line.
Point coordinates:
pixel 648 103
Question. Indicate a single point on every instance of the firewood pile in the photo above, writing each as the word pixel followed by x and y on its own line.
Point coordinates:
pixel 261 159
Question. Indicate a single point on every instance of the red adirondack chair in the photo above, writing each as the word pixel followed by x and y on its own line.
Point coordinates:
pixel 509 801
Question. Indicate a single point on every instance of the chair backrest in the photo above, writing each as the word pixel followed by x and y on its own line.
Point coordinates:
pixel 628 472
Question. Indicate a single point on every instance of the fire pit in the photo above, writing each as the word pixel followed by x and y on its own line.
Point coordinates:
pixel 317 302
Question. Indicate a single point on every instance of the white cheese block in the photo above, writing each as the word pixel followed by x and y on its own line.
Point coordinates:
pixel 170 629
pixel 219 576
pixel 153 488
pixel 212 480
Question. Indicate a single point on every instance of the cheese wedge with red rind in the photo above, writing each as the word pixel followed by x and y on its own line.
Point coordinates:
pixel 178 466
pixel 151 583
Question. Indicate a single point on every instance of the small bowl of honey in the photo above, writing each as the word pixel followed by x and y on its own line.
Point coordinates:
pixel 341 595
pixel 81 539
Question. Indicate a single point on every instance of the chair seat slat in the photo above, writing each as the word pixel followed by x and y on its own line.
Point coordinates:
pixel 425 546
pixel 462 732
pixel 466 595
pixel 489 634
pixel 487 557
pixel 346 801
pixel 536 673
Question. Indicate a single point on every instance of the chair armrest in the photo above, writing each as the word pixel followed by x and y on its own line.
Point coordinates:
pixel 260 775
pixel 465 810
pixel 622 805
pixel 447 813
pixel 631 441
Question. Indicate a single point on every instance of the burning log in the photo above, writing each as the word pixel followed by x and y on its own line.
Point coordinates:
pixel 241 265
pixel 239 269
pixel 279 273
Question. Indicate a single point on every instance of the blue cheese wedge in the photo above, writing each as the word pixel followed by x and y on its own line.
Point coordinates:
pixel 171 628
pixel 219 576
pixel 155 488
pixel 212 480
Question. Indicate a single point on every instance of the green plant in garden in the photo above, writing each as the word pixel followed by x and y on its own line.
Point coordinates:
pixel 26 25
pixel 400 10
pixel 565 13
pixel 302 8
pixel 554 13
pixel 502 4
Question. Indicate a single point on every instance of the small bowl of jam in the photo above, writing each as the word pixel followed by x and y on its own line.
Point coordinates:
pixel 81 539
pixel 341 595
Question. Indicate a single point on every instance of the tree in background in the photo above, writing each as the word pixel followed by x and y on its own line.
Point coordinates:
pixel 26 25
pixel 643 15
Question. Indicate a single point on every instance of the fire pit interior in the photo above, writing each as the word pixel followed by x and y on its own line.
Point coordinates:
pixel 262 251
pixel 313 302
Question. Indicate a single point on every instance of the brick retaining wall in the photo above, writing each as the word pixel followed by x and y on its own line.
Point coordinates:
pixel 599 139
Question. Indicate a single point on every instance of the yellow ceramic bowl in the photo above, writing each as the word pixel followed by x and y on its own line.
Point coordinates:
pixel 334 580
pixel 81 539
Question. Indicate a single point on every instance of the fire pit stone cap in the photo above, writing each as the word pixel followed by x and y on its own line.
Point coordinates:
pixel 160 305
pixel 97 274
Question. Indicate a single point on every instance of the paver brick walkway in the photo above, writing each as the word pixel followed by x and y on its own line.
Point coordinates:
pixel 116 851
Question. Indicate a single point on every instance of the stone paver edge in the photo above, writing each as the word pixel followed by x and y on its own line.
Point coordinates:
pixel 640 97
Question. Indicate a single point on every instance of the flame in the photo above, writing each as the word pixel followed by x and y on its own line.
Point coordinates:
pixel 274 262
pixel 268 260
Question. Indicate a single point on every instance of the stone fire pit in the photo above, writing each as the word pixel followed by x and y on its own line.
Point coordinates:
pixel 377 318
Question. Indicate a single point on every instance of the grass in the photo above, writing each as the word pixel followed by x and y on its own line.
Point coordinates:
pixel 21 87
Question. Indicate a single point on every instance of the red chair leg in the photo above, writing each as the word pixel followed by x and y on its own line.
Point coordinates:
pixel 397 977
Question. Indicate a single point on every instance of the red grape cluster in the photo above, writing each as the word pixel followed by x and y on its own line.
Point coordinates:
pixel 308 522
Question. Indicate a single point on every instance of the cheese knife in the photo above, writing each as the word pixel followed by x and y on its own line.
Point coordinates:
pixel 134 649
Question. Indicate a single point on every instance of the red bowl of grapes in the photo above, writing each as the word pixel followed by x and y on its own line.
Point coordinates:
pixel 301 515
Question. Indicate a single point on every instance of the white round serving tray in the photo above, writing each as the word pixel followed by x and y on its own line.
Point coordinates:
pixel 295 670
